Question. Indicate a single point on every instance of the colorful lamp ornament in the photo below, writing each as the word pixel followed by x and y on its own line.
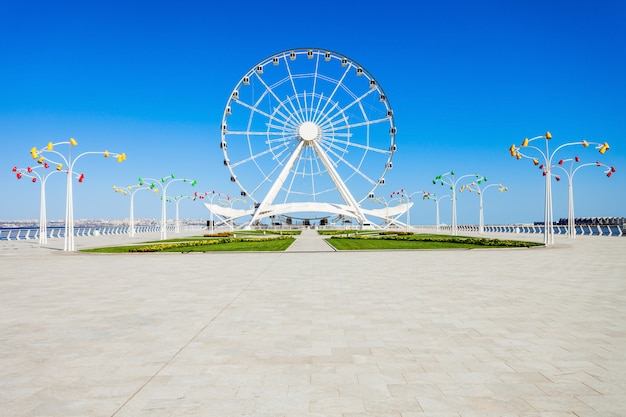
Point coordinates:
pixel 34 174
pixel 571 167
pixel 476 186
pixel 132 190
pixel 547 166
pixel 163 183
pixel 49 154
pixel 450 179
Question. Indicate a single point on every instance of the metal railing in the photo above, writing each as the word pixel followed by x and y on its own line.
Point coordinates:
pixel 28 233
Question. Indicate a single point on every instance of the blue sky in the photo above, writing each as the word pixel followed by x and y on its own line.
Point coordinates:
pixel 465 79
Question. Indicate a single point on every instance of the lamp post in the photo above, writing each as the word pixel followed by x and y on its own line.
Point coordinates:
pixel 476 186
pixel 132 189
pixel 230 201
pixel 546 167
pixel 571 224
pixel 428 196
pixel 211 196
pixel 163 183
pixel 32 173
pixel 406 197
pixel 450 179
pixel 177 200
pixel 41 156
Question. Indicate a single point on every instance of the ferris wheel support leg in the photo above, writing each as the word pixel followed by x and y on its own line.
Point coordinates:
pixel 341 187
pixel 271 195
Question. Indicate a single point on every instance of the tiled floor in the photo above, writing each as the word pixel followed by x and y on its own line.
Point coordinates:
pixel 514 332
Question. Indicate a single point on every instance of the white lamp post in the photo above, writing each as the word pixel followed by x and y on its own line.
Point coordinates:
pixel 32 173
pixel 546 167
pixel 450 179
pixel 41 156
pixel 476 186
pixel 132 189
pixel 429 196
pixel 163 183
pixel 571 226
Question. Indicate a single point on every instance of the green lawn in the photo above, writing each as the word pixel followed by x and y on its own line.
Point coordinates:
pixel 202 244
pixel 384 240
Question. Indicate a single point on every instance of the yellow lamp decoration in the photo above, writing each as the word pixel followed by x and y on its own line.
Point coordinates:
pixel 59 167
pixel 604 148
pixel 535 161
pixel 512 150
pixel 548 135
pixel 525 143
pixel 106 154
pixel 585 143
pixel 33 153
pixel 50 146
pixel 121 157
pixel 73 142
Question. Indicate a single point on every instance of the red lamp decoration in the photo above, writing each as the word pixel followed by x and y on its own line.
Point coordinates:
pixel 81 177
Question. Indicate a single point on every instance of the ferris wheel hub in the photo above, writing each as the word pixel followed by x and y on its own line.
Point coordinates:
pixel 308 131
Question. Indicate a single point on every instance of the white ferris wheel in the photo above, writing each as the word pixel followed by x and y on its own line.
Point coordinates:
pixel 308 131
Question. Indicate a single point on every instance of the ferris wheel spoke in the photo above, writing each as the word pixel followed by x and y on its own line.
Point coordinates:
pixel 267 179
pixel 316 74
pixel 332 94
pixel 270 90
pixel 357 100
pixel 335 145
pixel 341 159
pixel 295 92
pixel 253 109
pixel 250 133
pixel 365 123
pixel 294 112
pixel 255 156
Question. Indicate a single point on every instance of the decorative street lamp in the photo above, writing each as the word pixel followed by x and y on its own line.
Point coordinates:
pixel 163 183
pixel 177 200
pixel 32 173
pixel 476 186
pixel 406 198
pixel 449 179
pixel 428 196
pixel 546 167
pixel 132 189
pixel 211 196
pixel 571 225
pixel 41 156
pixel 230 201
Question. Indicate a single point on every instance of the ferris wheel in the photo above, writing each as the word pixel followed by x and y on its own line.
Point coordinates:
pixel 308 126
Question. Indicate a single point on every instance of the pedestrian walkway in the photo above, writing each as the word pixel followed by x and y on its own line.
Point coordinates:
pixel 523 332
pixel 310 241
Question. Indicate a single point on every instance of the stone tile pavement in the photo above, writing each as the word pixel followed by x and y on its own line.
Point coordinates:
pixel 465 333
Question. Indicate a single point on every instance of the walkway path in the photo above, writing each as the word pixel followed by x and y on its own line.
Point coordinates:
pixel 310 241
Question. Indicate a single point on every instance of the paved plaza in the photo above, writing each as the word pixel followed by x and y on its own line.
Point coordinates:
pixel 314 332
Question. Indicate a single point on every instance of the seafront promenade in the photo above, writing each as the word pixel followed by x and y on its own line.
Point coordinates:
pixel 314 332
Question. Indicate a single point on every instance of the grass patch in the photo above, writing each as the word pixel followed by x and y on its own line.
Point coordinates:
pixel 229 244
pixel 371 241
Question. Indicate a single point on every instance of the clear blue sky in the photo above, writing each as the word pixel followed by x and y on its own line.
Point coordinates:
pixel 465 80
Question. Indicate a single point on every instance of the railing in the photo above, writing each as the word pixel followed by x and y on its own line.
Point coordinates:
pixel 581 230
pixel 27 233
